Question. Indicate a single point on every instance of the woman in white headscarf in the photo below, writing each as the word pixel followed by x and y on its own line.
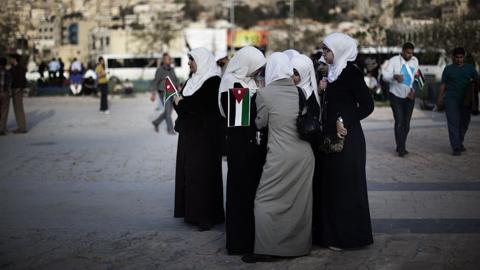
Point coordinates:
pixel 342 217
pixel 291 53
pixel 245 156
pixel 306 79
pixel 283 203
pixel 198 175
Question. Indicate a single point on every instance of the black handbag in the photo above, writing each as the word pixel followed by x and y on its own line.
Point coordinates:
pixel 327 143
pixel 308 124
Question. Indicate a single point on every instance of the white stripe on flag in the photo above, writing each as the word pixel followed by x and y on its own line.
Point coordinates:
pixel 238 113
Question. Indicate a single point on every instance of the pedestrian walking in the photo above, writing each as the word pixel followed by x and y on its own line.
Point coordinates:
pixel 400 74
pixel 102 83
pixel 283 201
pixel 5 89
pixel 245 154
pixel 198 174
pixel 158 85
pixel 19 82
pixel 342 215
pixel 456 79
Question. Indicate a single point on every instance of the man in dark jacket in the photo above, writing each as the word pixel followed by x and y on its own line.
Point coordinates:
pixel 19 82
pixel 5 86
pixel 158 84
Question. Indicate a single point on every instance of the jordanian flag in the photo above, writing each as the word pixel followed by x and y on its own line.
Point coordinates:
pixel 238 107
pixel 420 79
pixel 170 89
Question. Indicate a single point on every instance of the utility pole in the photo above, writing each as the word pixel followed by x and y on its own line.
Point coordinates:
pixel 232 27
pixel 291 40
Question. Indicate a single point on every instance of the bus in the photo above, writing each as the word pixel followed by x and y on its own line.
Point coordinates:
pixel 135 67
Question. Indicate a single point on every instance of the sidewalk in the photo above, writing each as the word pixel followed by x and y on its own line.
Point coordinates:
pixel 84 190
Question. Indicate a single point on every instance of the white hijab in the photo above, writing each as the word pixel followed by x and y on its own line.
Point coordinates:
pixel 278 67
pixel 308 81
pixel 206 68
pixel 344 49
pixel 246 61
pixel 291 53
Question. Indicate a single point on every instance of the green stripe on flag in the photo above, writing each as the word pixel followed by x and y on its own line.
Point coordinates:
pixel 168 95
pixel 246 109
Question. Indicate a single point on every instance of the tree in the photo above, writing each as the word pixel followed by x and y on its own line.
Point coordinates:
pixel 191 9
pixel 158 34
pixel 444 35
pixel 309 40
pixel 9 30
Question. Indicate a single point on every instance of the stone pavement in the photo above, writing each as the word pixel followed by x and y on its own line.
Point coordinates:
pixel 83 190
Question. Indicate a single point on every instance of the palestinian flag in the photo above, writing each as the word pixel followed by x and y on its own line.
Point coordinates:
pixel 170 88
pixel 420 79
pixel 238 107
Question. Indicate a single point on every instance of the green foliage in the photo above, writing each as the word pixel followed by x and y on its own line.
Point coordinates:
pixel 158 34
pixel 246 17
pixel 443 35
pixel 192 9
pixel 309 40
pixel 308 9
pixel 317 10
pixel 8 31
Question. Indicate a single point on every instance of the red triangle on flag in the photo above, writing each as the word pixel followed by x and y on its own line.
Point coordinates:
pixel 239 93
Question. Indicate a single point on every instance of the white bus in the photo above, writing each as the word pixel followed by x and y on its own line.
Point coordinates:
pixel 141 67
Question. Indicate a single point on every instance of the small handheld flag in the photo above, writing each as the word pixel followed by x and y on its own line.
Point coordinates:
pixel 420 87
pixel 170 88
pixel 420 79
pixel 238 107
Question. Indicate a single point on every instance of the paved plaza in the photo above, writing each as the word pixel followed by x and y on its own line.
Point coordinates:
pixel 84 190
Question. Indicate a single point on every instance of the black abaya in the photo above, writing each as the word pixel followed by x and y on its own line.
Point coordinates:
pixel 341 210
pixel 245 162
pixel 198 177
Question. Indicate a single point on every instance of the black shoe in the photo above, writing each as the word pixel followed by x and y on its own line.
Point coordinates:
pixel 463 149
pixel 402 153
pixel 155 126
pixel 254 258
pixel 456 152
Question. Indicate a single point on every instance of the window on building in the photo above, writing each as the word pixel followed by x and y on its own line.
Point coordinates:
pixel 73 33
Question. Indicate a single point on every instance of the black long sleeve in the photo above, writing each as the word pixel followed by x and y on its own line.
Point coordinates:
pixel 202 101
pixel 362 96
pixel 349 98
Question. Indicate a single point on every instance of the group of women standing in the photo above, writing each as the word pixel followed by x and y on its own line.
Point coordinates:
pixel 282 193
